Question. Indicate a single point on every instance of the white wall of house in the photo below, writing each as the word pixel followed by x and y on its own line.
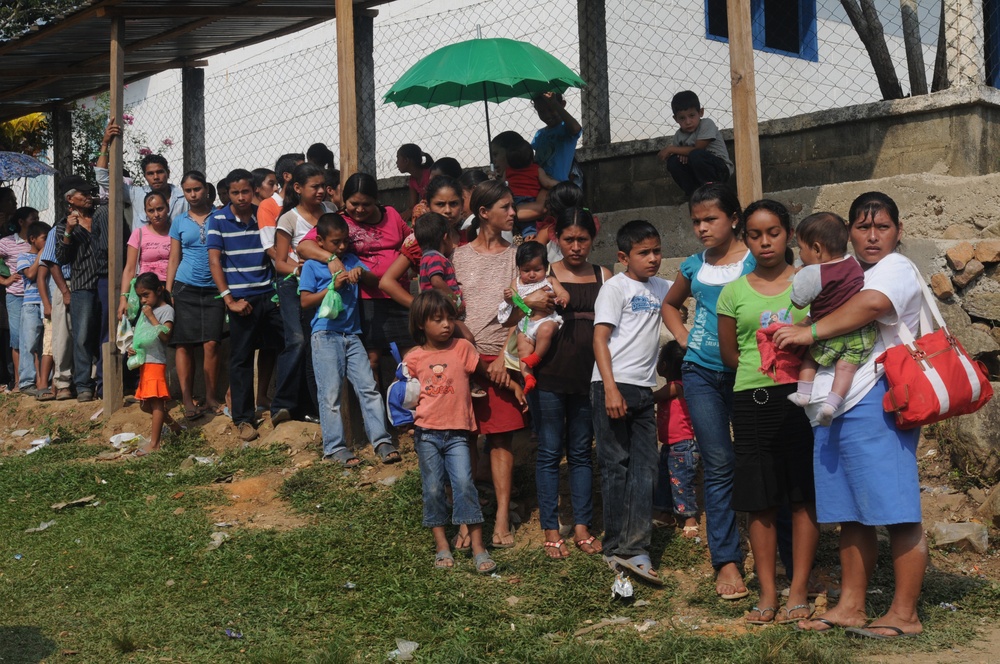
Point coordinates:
pixel 281 96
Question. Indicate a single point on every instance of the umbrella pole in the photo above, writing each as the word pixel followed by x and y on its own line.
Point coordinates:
pixel 489 136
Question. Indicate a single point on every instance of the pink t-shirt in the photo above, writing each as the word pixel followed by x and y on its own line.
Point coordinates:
pixel 153 252
pixel 445 401
pixel 377 245
pixel 673 421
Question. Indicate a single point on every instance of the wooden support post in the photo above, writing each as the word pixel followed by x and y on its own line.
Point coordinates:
pixel 62 142
pixel 193 120
pixel 364 90
pixel 346 88
pixel 748 178
pixel 348 102
pixel 596 115
pixel 116 207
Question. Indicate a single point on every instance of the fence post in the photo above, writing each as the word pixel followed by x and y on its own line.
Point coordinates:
pixel 347 89
pixel 748 178
pixel 193 120
pixel 62 142
pixel 963 30
pixel 364 89
pixel 596 116
pixel 116 206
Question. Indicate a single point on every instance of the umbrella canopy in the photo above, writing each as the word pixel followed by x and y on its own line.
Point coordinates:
pixel 481 70
pixel 14 165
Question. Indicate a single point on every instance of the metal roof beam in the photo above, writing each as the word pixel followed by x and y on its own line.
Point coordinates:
pixel 194 11
pixel 89 70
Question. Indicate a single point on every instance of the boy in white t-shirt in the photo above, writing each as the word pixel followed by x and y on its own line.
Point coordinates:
pixel 626 340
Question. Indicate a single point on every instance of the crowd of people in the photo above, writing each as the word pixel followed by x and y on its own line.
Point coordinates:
pixel 505 323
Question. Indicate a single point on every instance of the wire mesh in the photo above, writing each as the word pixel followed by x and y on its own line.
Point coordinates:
pixel 810 55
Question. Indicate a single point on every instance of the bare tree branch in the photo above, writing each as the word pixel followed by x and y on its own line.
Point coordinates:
pixel 866 22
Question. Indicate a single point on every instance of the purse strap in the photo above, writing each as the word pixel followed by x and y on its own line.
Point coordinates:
pixel 929 305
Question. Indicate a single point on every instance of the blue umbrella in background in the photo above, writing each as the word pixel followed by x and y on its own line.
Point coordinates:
pixel 14 165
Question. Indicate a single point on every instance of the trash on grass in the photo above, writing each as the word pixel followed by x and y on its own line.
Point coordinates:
pixel 218 538
pixel 621 588
pixel 607 622
pixel 20 433
pixel 964 535
pixel 404 650
pixel 126 439
pixel 18 556
pixel 350 585
pixel 948 606
pixel 233 634
pixel 96 416
pixel 38 444
pixel 42 526
pixel 79 502
pixel 645 625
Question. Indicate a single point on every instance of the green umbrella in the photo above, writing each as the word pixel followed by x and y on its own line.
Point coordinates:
pixel 481 70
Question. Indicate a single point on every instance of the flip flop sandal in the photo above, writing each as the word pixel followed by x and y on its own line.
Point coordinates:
pixel 586 542
pixel 456 547
pixel 761 612
pixel 502 545
pixel 788 619
pixel 440 557
pixel 690 532
pixel 483 558
pixel 192 415
pixel 830 626
pixel 641 566
pixel 867 633
pixel 557 545
pixel 388 453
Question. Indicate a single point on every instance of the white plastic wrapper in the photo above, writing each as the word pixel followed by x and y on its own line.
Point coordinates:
pixel 621 588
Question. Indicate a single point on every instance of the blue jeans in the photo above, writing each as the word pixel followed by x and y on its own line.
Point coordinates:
pixel 88 312
pixel 337 356
pixel 675 490
pixel 443 456
pixel 565 424
pixel 245 334
pixel 31 344
pixel 709 395
pixel 291 389
pixel 14 303
pixel 626 453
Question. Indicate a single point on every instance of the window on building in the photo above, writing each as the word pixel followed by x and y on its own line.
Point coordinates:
pixel 992 19
pixel 787 27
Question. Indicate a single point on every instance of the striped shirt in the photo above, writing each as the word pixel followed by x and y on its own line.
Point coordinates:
pixel 86 252
pixel 31 295
pixel 246 265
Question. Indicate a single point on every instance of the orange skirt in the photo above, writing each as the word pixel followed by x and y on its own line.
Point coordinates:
pixel 152 382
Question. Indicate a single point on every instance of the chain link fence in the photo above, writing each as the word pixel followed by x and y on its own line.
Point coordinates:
pixel 810 55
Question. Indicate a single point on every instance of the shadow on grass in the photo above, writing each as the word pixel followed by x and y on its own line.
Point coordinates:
pixel 24 645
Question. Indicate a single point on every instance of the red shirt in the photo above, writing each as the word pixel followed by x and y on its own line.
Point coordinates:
pixel 673 421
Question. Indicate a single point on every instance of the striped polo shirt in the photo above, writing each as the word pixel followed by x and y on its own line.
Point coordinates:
pixel 246 265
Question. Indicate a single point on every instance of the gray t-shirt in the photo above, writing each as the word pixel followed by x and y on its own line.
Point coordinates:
pixel 157 353
pixel 706 131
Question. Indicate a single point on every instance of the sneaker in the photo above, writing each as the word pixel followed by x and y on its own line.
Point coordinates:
pixel 279 416
pixel 246 432
pixel 64 394
pixel 84 396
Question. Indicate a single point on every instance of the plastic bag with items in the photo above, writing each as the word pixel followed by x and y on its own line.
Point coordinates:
pixel 144 337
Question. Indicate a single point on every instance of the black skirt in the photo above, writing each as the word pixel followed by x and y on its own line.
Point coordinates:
pixel 198 315
pixel 384 321
pixel 773 441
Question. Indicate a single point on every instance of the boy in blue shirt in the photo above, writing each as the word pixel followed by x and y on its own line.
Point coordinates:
pixel 697 155
pixel 555 143
pixel 31 310
pixel 337 350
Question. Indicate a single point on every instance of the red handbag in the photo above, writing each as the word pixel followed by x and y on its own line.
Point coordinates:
pixel 931 378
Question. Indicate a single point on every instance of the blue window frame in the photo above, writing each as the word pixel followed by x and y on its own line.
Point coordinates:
pixel 992 20
pixel 786 27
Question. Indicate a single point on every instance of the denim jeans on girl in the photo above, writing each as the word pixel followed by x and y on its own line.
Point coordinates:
pixel 626 453
pixel 14 303
pixel 443 456
pixel 31 344
pixel 678 468
pixel 565 424
pixel 336 356
pixel 709 395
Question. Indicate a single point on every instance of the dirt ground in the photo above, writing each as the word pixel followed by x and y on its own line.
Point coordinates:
pixel 254 502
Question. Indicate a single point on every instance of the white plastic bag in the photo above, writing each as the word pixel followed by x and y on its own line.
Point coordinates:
pixel 123 339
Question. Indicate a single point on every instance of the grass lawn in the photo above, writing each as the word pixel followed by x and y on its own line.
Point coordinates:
pixel 131 579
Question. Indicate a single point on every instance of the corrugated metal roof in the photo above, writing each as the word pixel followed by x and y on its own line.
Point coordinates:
pixel 69 58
